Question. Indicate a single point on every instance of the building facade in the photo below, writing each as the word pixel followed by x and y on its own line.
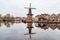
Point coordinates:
pixel 58 16
pixel 53 17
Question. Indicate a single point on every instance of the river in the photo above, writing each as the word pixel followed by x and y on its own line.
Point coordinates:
pixel 17 31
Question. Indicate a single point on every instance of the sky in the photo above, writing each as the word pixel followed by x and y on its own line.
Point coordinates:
pixel 16 7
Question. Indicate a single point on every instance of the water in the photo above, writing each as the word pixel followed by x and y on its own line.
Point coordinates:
pixel 17 31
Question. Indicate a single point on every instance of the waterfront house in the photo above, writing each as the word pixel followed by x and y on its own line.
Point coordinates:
pixel 47 15
pixel 44 17
pixel 36 19
pixel 18 19
pixel 58 16
pixel 53 17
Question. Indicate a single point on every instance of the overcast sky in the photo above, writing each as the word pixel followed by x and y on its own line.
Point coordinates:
pixel 16 7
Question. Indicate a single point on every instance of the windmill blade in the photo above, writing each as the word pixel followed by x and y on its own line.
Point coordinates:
pixel 29 34
pixel 26 7
pixel 33 8
pixel 30 5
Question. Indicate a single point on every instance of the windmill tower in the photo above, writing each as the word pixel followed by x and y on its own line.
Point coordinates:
pixel 30 18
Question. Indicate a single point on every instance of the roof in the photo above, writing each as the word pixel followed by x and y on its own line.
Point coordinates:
pixel 42 16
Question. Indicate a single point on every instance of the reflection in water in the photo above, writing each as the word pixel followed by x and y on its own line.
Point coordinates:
pixel 7 20
pixel 53 26
pixel 41 35
pixel 59 26
pixel 29 26
pixel 43 26
pixel 46 26
pixel 30 32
